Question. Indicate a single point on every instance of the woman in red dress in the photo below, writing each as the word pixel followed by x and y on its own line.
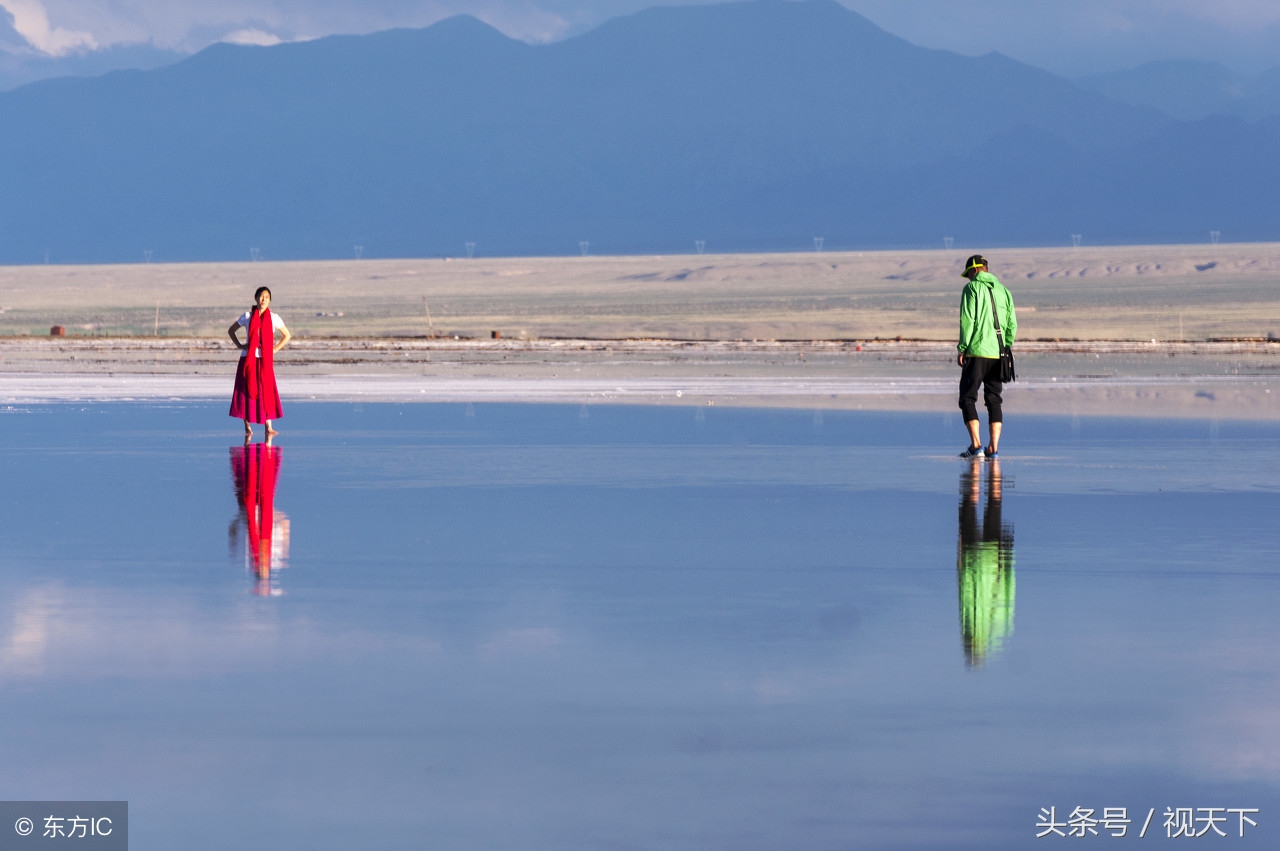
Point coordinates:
pixel 255 398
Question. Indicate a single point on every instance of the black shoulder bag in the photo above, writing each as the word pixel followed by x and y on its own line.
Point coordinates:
pixel 1007 371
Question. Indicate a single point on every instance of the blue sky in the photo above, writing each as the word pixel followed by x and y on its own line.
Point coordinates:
pixel 1065 36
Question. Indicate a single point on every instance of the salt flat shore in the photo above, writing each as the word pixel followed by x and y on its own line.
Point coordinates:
pixel 1126 293
pixel 1168 331
pixel 1220 380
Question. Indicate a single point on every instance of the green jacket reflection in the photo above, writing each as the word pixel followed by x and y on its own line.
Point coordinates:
pixel 977 329
pixel 986 597
pixel 984 564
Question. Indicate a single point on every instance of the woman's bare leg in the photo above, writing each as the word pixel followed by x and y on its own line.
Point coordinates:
pixel 270 430
pixel 248 429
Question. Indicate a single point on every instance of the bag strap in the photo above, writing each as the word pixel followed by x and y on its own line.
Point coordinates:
pixel 991 291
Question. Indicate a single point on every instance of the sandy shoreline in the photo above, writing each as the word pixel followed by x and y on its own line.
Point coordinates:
pixel 1200 380
pixel 1135 293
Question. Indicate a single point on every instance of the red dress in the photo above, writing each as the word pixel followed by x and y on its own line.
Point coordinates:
pixel 255 397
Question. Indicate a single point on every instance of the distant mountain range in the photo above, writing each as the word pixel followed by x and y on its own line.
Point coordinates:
pixel 1190 90
pixel 20 65
pixel 756 125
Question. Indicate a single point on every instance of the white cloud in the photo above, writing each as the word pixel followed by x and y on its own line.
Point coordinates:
pixel 252 36
pixel 1240 15
pixel 535 641
pixel 1087 36
pixel 32 22
pixel 69 633
pixel 1068 36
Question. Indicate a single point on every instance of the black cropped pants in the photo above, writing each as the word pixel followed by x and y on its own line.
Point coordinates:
pixel 985 373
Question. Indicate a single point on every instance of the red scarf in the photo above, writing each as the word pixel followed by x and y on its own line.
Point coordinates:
pixel 260 373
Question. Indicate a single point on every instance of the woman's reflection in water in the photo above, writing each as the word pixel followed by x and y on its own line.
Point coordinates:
pixel 984 565
pixel 265 530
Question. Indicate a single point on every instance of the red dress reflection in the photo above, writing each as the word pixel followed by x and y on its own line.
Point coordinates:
pixel 253 471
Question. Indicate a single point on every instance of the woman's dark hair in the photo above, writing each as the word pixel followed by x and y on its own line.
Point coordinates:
pixel 257 294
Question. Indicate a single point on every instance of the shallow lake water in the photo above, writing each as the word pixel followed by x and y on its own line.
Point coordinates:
pixel 553 627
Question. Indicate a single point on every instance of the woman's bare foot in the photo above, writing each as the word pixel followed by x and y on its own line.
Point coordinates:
pixel 248 430
pixel 270 431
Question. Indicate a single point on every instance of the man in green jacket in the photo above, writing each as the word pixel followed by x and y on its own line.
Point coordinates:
pixel 984 299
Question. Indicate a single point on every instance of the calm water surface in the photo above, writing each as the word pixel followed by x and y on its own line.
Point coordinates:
pixel 544 627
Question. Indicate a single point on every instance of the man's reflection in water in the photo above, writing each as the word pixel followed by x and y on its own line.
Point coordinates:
pixel 265 530
pixel 984 565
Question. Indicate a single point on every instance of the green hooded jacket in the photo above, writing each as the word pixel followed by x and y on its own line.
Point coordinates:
pixel 977 328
